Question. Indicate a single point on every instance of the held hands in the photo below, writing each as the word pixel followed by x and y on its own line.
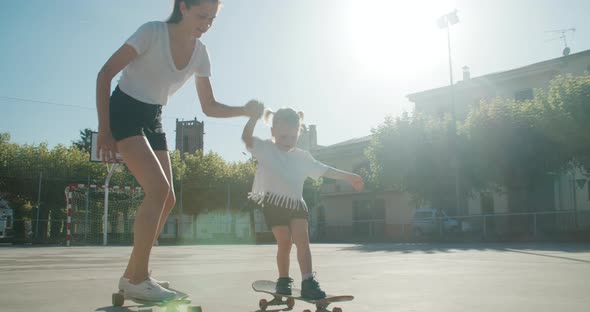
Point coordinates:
pixel 254 109
pixel 357 182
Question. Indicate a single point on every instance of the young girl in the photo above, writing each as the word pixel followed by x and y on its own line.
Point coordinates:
pixel 156 61
pixel 278 187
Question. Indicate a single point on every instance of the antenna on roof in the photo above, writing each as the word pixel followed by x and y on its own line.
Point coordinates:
pixel 562 35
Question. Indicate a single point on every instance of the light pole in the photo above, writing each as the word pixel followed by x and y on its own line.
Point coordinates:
pixel 445 22
pixel 183 163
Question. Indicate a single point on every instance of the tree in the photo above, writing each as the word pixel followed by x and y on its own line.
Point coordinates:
pixel 34 176
pixel 504 145
pixel 4 137
pixel 207 178
pixel 509 151
pixel 520 145
pixel 564 111
pixel 412 154
pixel 85 141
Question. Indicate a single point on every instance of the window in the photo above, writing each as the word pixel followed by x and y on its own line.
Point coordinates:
pixel 363 168
pixel 328 181
pixel 440 112
pixel 421 215
pixel 185 146
pixel 523 95
pixel 369 210
pixel 487 202
pixel 369 218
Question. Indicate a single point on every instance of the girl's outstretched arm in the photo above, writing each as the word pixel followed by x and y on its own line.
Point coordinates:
pixel 354 179
pixel 212 108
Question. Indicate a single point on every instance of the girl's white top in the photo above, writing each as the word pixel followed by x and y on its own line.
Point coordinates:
pixel 280 175
pixel 152 76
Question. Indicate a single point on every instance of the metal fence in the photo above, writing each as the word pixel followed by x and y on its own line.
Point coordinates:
pixel 553 225
pixel 536 225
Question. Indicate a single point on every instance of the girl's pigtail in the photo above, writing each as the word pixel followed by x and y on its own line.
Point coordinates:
pixel 267 116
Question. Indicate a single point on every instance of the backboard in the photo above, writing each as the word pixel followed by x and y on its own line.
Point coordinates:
pixel 94 148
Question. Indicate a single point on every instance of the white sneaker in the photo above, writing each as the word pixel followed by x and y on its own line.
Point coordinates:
pixel 165 284
pixel 124 281
pixel 148 291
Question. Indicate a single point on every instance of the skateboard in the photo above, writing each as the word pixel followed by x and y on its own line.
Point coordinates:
pixel 269 288
pixel 171 305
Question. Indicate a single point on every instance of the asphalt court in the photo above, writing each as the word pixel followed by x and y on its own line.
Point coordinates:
pixel 382 277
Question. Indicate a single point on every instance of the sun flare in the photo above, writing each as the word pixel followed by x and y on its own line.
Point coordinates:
pixel 394 36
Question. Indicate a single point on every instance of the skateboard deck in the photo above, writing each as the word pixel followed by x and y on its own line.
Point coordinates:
pixel 181 300
pixel 321 304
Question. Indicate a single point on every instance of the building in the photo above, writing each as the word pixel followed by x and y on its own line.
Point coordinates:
pixel 308 139
pixel 345 215
pixel 517 83
pixel 556 193
pixel 6 219
pixel 189 136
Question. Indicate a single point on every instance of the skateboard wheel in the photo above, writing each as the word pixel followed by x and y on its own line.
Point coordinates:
pixel 118 299
pixel 321 306
pixel 290 303
pixel 337 310
pixel 306 310
pixel 263 304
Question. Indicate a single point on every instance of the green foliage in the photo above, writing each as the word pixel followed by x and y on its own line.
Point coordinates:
pixel 209 181
pixel 564 115
pixel 514 143
pixel 85 141
pixel 502 143
pixel 413 154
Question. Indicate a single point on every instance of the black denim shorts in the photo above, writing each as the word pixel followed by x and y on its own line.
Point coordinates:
pixel 275 215
pixel 130 117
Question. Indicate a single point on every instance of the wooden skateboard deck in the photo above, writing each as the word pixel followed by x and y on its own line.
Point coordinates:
pixel 321 304
pixel 181 300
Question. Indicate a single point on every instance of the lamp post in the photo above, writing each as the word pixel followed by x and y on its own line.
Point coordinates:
pixel 445 22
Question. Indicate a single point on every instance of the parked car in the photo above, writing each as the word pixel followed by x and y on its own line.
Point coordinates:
pixel 427 221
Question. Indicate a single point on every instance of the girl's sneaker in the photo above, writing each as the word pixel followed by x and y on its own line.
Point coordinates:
pixel 284 285
pixel 310 289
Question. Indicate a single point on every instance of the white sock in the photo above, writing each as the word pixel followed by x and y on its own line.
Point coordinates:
pixel 305 276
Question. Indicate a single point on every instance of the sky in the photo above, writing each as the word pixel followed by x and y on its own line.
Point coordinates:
pixel 347 64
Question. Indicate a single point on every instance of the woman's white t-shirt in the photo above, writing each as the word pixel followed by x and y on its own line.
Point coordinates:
pixel 152 76
pixel 280 175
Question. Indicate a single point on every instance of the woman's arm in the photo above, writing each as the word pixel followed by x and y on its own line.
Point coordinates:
pixel 121 58
pixel 212 108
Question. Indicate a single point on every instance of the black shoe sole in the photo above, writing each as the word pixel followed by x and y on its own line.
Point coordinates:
pixel 312 297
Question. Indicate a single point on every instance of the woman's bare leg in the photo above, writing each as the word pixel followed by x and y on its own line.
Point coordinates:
pixel 146 168
pixel 164 159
